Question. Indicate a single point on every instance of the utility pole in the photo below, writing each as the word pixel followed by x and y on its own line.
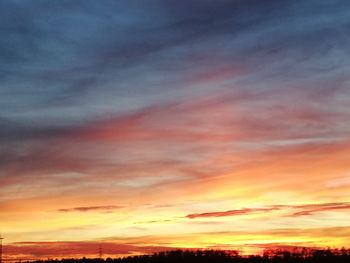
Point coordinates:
pixel 1 238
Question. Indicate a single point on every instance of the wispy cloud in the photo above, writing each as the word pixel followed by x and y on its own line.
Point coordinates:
pixel 31 250
pixel 243 211
pixel 305 209
pixel 169 101
pixel 311 209
pixel 90 208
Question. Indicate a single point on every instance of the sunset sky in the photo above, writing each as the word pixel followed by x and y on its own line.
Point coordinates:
pixel 144 125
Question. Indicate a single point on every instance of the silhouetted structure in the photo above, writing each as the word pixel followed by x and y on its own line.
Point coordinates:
pixel 1 238
pixel 100 252
pixel 300 255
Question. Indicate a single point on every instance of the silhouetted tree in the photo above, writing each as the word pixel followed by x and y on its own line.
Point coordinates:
pixel 295 255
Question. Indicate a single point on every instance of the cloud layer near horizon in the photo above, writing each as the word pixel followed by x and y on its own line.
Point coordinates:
pixel 141 118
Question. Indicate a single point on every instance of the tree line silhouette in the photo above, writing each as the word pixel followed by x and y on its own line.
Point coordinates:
pixel 297 255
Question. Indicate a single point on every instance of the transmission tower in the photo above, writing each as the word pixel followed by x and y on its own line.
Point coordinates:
pixel 99 252
pixel 1 238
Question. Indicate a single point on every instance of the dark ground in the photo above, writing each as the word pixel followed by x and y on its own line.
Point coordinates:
pixel 219 256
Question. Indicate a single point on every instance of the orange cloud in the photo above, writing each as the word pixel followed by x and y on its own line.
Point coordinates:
pixel 90 208
pixel 44 250
pixel 312 209
pixel 306 209
pixel 232 212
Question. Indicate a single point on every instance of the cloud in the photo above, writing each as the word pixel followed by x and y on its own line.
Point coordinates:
pixel 117 246
pixel 43 250
pixel 154 221
pixel 127 48
pixel 172 101
pixel 243 211
pixel 305 209
pixel 90 208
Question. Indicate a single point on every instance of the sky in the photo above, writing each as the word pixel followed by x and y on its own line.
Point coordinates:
pixel 137 126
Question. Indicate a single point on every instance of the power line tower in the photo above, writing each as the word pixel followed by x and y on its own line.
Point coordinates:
pixel 1 238
pixel 99 252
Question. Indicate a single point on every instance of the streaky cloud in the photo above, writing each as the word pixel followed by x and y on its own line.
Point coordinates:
pixel 91 208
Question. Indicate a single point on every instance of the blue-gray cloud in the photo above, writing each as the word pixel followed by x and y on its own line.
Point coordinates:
pixel 68 62
pixel 66 66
